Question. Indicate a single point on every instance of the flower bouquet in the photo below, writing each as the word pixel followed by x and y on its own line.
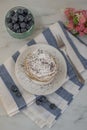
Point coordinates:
pixel 76 21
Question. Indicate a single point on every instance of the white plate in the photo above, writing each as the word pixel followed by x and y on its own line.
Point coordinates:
pixel 32 87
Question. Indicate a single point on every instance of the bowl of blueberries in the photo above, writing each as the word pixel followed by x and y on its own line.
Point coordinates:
pixel 19 22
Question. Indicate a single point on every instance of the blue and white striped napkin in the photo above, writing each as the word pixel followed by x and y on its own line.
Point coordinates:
pixel 16 99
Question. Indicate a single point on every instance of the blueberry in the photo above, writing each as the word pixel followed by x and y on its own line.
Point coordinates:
pixel 14 18
pixel 31 23
pixel 10 25
pixel 52 106
pixel 25 20
pixel 43 99
pixel 20 11
pixel 14 88
pixel 29 17
pixel 25 12
pixel 38 102
pixel 8 20
pixel 28 26
pixel 18 94
pixel 23 30
pixel 16 14
pixel 16 27
pixel 13 21
pixel 18 31
pixel 23 25
pixel 11 13
pixel 14 30
pixel 21 18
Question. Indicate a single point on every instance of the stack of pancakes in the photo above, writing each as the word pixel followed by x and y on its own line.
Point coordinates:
pixel 40 66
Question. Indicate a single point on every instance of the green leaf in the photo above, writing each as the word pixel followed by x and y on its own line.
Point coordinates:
pixel 74 32
pixel 75 20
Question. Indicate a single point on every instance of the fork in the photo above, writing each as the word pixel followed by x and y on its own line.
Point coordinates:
pixel 63 48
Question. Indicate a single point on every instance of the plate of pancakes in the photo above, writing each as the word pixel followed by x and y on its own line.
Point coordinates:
pixel 41 69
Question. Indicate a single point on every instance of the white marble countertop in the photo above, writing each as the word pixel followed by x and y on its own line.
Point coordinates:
pixel 45 12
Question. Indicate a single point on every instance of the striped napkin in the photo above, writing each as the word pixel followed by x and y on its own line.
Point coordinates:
pixel 15 99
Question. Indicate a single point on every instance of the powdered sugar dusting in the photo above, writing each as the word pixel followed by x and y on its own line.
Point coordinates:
pixel 41 63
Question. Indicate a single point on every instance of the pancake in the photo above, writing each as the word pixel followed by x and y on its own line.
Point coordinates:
pixel 40 66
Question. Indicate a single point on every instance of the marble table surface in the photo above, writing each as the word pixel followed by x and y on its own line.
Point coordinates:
pixel 45 12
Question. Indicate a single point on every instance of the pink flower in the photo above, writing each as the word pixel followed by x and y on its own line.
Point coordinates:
pixel 81 33
pixel 82 27
pixel 69 12
pixel 70 26
pixel 85 30
pixel 77 28
pixel 82 19
pixel 77 21
pixel 77 11
pixel 84 13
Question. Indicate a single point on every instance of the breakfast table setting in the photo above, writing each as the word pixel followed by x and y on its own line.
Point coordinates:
pixel 43 67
